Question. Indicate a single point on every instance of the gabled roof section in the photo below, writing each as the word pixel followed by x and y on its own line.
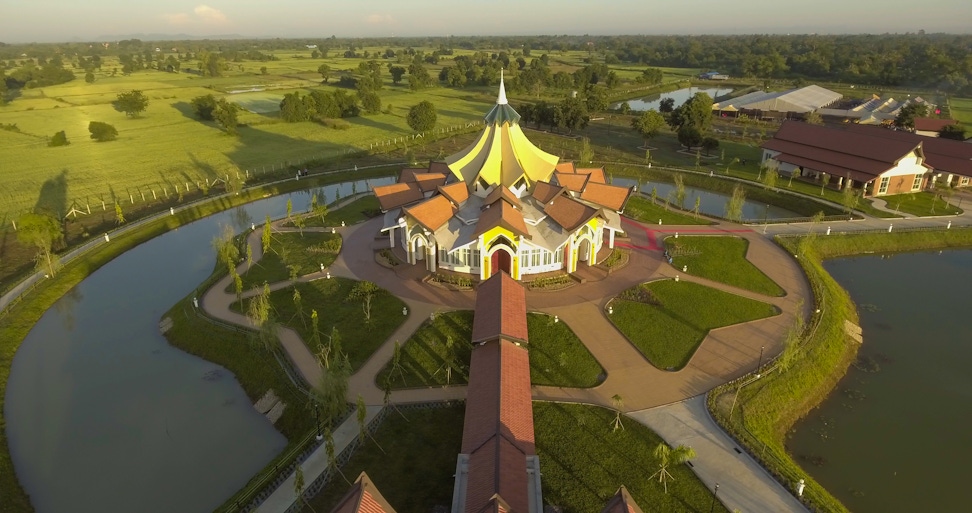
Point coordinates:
pixel 501 214
pixel 943 155
pixel 596 174
pixel 439 167
pixel 407 174
pixel 432 213
pixel 572 181
pixel 622 502
pixel 500 310
pixel 569 213
pixel 610 196
pixel 429 181
pixel 502 193
pixel 498 427
pixel 932 124
pixel 456 192
pixel 363 497
pixel 397 195
pixel 566 167
pixel 546 191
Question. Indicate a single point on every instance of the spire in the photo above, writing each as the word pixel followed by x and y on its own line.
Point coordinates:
pixel 502 92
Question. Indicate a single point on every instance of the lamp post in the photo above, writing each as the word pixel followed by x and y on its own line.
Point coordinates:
pixel 760 364
pixel 715 494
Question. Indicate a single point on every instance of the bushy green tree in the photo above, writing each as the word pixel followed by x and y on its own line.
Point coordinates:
pixel 132 103
pixel 102 132
pixel 689 136
pixel 204 106
pixel 422 116
pixel 648 124
pixel 59 139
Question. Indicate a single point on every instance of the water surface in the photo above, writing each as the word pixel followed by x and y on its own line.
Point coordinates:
pixel 710 202
pixel 104 415
pixel 896 437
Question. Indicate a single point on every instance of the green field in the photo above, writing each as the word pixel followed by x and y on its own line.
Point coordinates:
pixel 721 259
pixel 961 109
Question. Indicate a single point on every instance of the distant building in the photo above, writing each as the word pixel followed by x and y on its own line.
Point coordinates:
pixel 713 75
pixel 929 127
pixel 780 104
pixel 879 160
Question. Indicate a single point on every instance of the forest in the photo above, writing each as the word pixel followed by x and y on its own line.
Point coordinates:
pixel 915 60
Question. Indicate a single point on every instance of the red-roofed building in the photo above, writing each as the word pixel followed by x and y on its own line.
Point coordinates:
pixel 363 497
pixel 498 212
pixel 929 127
pixel 622 502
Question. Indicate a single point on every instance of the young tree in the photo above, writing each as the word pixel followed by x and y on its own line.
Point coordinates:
pixel 734 207
pixel 265 237
pixel 227 252
pixel 58 139
pixel 770 177
pixel 44 233
pixel 131 103
pixel 299 487
pixel 731 162
pixel 318 209
pixel 618 403
pixel 422 116
pixel 814 118
pixel 586 152
pixel 709 144
pixel 259 314
pixel 648 124
pixel 361 414
pixel 679 190
pixel 102 132
pixel 824 181
pixel 238 286
pixel 698 203
pixel 119 215
pixel 848 197
pixel 666 457
pixel 365 291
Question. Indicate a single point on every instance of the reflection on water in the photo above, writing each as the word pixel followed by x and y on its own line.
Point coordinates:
pixel 894 434
pixel 104 415
pixel 711 203
pixel 680 96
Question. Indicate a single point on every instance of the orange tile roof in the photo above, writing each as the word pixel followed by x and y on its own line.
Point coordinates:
pixel 596 174
pixel 545 191
pixel 504 193
pixel 500 309
pixel 429 181
pixel 407 174
pixel 433 212
pixel 501 214
pixel 363 497
pixel 610 196
pixel 397 195
pixel 568 212
pixel 574 182
pixel 498 425
pixel 456 192
pixel 622 502
pixel 565 167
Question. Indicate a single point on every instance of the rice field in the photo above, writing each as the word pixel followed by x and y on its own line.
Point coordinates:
pixel 961 109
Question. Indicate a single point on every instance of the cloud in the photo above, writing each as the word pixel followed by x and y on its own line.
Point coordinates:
pixel 379 19
pixel 209 15
pixel 202 14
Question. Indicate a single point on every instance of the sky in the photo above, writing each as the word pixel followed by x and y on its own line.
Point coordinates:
pixel 70 20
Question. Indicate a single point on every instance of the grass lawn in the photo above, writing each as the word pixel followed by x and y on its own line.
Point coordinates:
pixel 722 259
pixel 584 462
pixel 306 253
pixel 961 109
pixel 359 338
pixel 357 211
pixel 557 356
pixel 669 332
pixel 924 203
pixel 641 209
pixel 414 473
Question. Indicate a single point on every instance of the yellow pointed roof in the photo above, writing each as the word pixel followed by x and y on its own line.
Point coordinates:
pixel 502 154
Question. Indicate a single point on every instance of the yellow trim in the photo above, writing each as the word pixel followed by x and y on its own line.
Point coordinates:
pixel 516 267
pixel 493 233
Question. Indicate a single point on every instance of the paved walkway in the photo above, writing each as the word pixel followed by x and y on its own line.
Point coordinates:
pixel 743 484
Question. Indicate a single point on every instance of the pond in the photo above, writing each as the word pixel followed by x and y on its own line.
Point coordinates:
pixel 104 415
pixel 710 203
pixel 680 96
pixel 894 434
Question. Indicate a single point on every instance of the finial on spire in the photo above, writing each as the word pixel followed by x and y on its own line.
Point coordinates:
pixel 501 100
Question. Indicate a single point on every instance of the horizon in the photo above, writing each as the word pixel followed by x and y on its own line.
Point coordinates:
pixel 100 20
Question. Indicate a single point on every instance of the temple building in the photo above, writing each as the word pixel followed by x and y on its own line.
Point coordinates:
pixel 502 204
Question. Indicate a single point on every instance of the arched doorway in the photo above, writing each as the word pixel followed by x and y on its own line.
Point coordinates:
pixel 418 249
pixel 584 251
pixel 501 260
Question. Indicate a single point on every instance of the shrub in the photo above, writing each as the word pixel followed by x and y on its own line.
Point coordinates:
pixel 59 139
pixel 102 132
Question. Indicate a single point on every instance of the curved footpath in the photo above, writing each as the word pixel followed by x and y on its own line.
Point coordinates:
pixel 725 354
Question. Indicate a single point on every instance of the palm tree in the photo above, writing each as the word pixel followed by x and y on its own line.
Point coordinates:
pixel 668 456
